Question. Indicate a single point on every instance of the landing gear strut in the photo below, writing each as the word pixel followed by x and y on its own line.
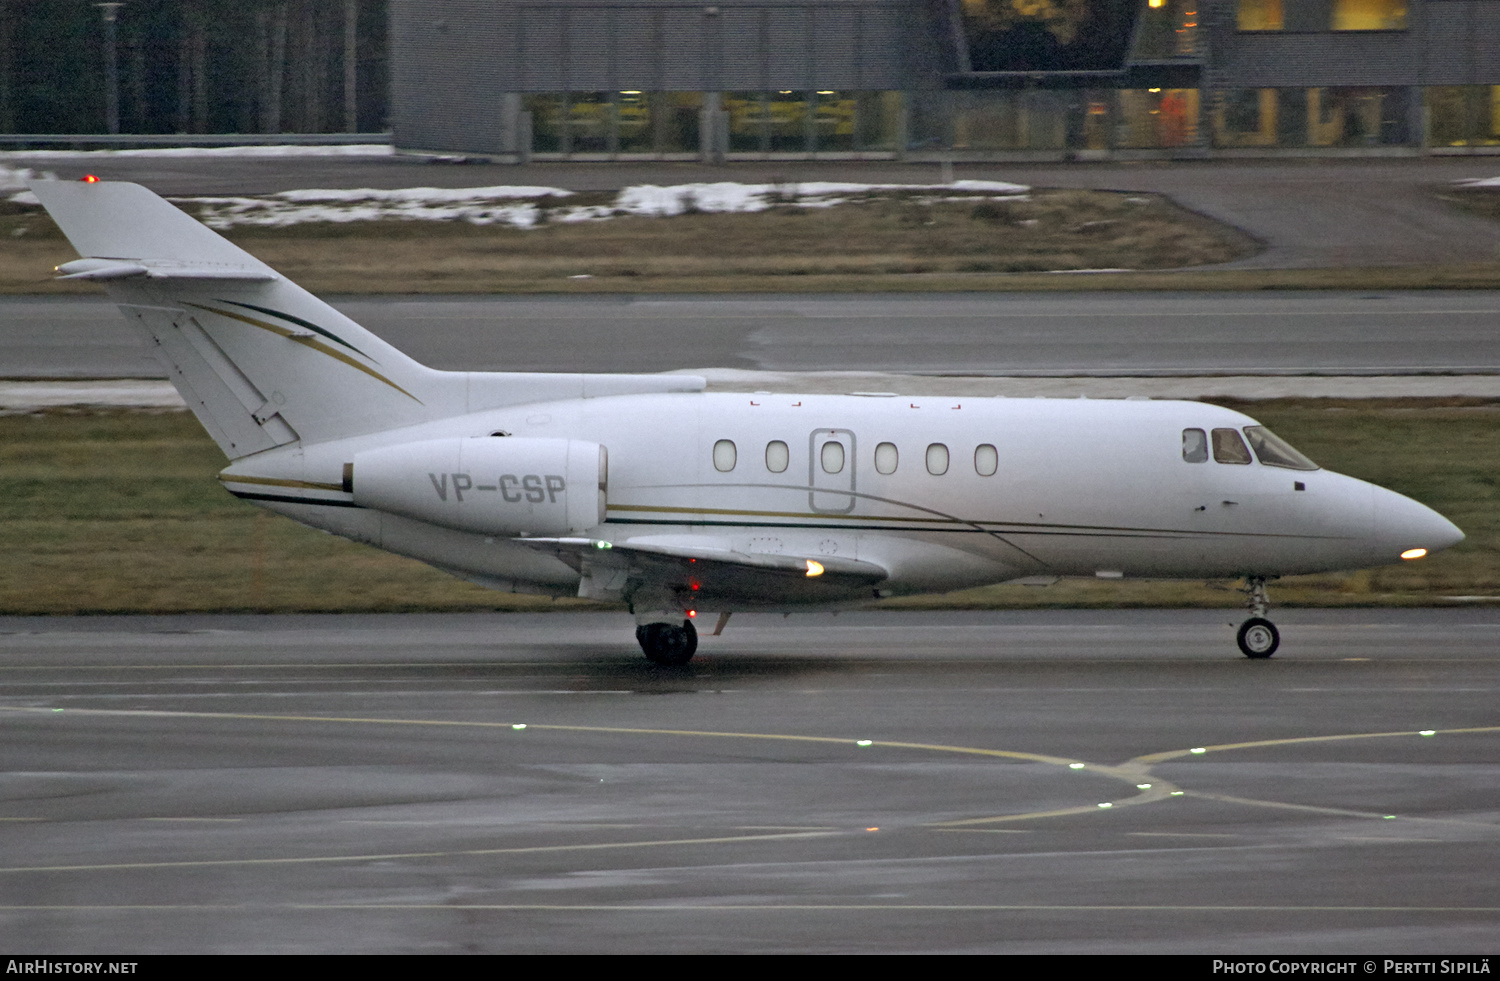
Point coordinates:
pixel 668 644
pixel 1258 637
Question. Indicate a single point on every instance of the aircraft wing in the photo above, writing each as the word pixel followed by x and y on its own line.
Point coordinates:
pixel 709 574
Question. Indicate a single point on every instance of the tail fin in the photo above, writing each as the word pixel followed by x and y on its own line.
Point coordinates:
pixel 259 360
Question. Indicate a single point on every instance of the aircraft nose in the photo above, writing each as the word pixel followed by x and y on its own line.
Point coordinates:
pixel 1409 526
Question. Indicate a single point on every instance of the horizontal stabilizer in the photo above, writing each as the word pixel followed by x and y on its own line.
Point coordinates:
pixel 116 220
pixel 103 269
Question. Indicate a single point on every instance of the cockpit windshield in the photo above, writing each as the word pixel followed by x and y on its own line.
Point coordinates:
pixel 1273 451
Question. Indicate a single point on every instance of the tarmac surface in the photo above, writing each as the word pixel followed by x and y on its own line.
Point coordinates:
pixel 1314 212
pixel 1058 334
pixel 528 783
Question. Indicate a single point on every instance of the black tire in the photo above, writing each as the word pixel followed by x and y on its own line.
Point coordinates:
pixel 1258 638
pixel 667 644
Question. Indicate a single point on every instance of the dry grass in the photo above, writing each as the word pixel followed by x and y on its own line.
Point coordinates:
pixel 886 238
pixel 120 513
pixel 900 243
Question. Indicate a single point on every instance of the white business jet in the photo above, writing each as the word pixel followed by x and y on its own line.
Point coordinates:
pixel 647 490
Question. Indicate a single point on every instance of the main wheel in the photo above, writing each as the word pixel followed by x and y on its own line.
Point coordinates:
pixel 1258 637
pixel 668 644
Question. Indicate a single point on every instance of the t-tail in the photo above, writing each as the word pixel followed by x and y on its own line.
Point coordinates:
pixel 260 361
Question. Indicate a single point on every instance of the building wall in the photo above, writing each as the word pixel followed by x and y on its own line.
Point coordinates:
pixel 773 77
pixel 456 62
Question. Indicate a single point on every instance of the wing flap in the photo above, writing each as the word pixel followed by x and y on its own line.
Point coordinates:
pixel 710 574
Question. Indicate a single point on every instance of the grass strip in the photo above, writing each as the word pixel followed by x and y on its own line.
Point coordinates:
pixel 119 512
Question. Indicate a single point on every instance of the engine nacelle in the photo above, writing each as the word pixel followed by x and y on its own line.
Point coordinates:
pixel 498 485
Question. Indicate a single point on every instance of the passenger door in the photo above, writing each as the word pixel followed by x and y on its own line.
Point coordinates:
pixel 831 470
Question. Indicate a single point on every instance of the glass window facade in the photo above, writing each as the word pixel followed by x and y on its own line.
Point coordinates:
pixel 1016 120
pixel 1260 15
pixel 1328 15
pixel 1319 117
pixel 1463 115
pixel 1157 118
pixel 1369 15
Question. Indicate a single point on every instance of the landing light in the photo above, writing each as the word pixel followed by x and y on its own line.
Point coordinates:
pixel 1413 553
pixel 814 568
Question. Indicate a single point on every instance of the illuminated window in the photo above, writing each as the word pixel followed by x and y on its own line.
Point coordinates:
pixel 937 459
pixel 1369 15
pixel 1194 445
pixel 1229 448
pixel 724 455
pixel 885 458
pixel 986 460
pixel 777 456
pixel 1260 15
pixel 832 457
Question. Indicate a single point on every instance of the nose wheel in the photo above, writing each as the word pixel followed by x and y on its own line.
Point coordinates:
pixel 1257 637
pixel 668 644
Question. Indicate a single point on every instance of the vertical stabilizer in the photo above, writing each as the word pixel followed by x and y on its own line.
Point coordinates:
pixel 259 360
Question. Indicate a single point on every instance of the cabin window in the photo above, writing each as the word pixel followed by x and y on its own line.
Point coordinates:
pixel 986 460
pixel 724 455
pixel 886 458
pixel 1273 451
pixel 937 459
pixel 1229 448
pixel 832 457
pixel 777 456
pixel 1194 445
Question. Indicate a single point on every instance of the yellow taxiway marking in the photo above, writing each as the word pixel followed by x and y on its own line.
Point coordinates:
pixel 392 856
pixel 747 908
pixel 1151 759
pixel 1136 771
pixel 1128 773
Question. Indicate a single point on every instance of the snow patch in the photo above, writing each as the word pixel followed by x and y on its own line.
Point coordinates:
pixel 352 150
pixel 528 207
pixel 13 183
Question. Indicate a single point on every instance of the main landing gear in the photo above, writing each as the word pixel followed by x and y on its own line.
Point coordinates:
pixel 1258 637
pixel 668 644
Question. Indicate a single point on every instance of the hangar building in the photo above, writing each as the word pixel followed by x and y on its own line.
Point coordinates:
pixel 951 79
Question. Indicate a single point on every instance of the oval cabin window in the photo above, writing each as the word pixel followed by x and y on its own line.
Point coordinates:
pixel 986 460
pixel 777 456
pixel 832 457
pixel 937 459
pixel 724 455
pixel 886 458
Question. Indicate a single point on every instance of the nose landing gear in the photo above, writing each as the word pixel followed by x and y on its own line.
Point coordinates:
pixel 1257 637
pixel 668 644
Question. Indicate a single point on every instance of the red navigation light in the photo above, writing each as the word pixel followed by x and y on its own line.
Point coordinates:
pixel 691 614
pixel 90 179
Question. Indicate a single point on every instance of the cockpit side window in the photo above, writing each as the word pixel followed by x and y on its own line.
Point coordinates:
pixel 1229 448
pixel 1273 451
pixel 1194 445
